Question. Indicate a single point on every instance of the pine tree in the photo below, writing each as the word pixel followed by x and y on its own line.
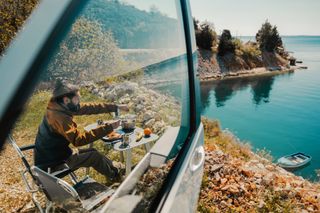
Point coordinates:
pixel 268 38
pixel 226 44
pixel 206 37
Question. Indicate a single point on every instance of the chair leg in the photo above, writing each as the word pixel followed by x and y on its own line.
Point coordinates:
pixel 37 203
pixel 74 178
pixel 48 206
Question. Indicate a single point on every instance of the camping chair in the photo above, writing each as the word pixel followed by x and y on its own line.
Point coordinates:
pixel 87 193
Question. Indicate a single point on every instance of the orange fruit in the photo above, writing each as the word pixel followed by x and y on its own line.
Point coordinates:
pixel 147 131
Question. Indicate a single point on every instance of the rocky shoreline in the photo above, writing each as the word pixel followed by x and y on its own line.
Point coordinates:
pixel 214 68
pixel 246 73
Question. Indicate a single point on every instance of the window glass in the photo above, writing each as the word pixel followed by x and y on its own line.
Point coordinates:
pixel 128 53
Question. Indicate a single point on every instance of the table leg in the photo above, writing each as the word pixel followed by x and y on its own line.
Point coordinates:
pixel 121 156
pixel 147 147
pixel 128 162
pixel 88 169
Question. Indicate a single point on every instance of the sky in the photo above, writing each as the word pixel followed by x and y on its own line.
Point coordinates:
pixel 242 18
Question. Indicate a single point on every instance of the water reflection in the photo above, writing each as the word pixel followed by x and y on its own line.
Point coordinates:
pixel 261 87
pixel 261 90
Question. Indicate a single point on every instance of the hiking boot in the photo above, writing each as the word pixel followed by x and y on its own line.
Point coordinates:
pixel 119 171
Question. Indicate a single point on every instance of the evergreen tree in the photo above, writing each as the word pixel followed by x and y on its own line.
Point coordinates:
pixel 226 44
pixel 268 38
pixel 206 37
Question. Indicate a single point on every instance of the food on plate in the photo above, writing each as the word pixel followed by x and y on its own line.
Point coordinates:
pixel 114 135
pixel 139 135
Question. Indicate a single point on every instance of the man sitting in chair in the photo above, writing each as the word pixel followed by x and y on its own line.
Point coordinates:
pixel 58 130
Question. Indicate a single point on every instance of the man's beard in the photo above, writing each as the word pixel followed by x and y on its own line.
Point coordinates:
pixel 73 107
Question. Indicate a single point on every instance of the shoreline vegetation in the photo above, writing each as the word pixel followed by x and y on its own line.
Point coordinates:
pixel 214 76
pixel 226 57
pixel 236 179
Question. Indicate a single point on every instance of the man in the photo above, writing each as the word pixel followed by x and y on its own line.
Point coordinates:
pixel 58 130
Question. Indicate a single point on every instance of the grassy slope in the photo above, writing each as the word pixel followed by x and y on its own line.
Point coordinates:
pixel 284 193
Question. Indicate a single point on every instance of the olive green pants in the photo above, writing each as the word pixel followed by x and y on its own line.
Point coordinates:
pixel 92 158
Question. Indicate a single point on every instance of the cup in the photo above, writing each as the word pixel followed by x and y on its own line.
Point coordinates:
pixel 126 140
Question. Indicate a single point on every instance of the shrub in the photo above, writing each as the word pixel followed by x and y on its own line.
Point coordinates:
pixel 226 44
pixel 247 50
pixel 206 37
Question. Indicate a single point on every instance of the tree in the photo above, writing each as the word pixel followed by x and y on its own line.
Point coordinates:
pixel 87 53
pixel 268 38
pixel 206 37
pixel 226 44
pixel 195 24
pixel 13 13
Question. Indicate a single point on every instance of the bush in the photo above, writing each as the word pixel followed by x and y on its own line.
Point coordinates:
pixel 206 37
pixel 248 50
pixel 226 44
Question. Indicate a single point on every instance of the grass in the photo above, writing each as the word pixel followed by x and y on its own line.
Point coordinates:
pixel 135 74
pixel 225 141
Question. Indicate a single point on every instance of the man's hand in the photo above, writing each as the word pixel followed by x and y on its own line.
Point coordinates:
pixel 115 124
pixel 123 107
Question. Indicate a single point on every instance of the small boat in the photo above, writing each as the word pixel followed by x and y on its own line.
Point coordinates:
pixel 293 161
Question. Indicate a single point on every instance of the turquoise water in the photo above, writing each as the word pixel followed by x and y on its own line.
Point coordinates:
pixel 279 113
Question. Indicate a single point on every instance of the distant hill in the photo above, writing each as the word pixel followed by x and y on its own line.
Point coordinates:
pixel 131 27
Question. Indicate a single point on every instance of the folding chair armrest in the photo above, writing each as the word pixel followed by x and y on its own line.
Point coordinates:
pixel 27 147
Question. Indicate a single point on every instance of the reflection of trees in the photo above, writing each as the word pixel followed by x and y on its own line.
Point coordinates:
pixel 261 90
pixel 226 89
pixel 206 88
pixel 223 92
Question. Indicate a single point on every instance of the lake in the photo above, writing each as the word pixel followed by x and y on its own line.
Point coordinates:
pixel 280 113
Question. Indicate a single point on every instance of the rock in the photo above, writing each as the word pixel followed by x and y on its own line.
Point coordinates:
pixel 140 99
pixel 260 166
pixel 310 208
pixel 139 107
pixel 148 115
pixel 223 181
pixel 247 173
pixel 101 94
pixel 233 189
pixel 253 186
pixel 150 123
pixel 157 117
pixel 125 88
pixel 215 167
pixel 95 91
pixel 218 153
pixel 268 178
pixel 257 175
pixel 110 96
pixel 269 167
pixel 261 204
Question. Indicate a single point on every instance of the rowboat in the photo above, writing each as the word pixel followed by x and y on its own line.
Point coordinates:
pixel 293 161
